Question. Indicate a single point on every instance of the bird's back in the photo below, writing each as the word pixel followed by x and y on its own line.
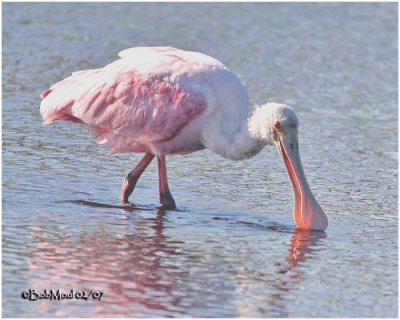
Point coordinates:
pixel 145 98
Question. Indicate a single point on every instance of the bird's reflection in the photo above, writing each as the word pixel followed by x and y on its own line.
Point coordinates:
pixel 304 247
pixel 303 244
pixel 132 268
pixel 144 271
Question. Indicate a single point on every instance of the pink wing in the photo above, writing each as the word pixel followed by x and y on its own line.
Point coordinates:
pixel 127 104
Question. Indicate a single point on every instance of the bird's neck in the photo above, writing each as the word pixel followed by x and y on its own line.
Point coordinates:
pixel 256 133
pixel 260 123
pixel 242 142
pixel 246 145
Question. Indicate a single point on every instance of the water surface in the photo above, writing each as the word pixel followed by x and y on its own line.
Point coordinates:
pixel 231 249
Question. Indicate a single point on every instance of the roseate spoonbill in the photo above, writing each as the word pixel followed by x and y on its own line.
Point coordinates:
pixel 162 100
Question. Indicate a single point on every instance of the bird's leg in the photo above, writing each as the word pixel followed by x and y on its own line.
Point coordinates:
pixel 166 199
pixel 130 181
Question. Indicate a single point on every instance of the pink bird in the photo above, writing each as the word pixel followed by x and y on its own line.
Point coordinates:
pixel 162 100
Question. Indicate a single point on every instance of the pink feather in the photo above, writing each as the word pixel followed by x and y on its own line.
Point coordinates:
pixel 131 106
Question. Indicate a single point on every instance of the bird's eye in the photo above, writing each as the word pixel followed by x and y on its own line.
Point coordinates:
pixel 277 125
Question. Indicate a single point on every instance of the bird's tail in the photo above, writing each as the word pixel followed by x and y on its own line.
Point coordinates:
pixel 58 100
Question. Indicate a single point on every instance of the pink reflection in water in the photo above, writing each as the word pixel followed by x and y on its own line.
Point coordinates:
pixel 132 270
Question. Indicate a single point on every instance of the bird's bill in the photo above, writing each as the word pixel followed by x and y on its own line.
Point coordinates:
pixel 307 213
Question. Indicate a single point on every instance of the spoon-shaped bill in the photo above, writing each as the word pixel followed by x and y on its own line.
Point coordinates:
pixel 307 212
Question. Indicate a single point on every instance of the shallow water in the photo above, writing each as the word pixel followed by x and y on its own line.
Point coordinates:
pixel 231 249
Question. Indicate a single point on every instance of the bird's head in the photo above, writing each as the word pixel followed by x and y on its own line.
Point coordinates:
pixel 277 124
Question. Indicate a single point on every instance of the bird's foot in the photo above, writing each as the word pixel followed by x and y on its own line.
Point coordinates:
pixel 127 203
pixel 167 203
pixel 127 187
